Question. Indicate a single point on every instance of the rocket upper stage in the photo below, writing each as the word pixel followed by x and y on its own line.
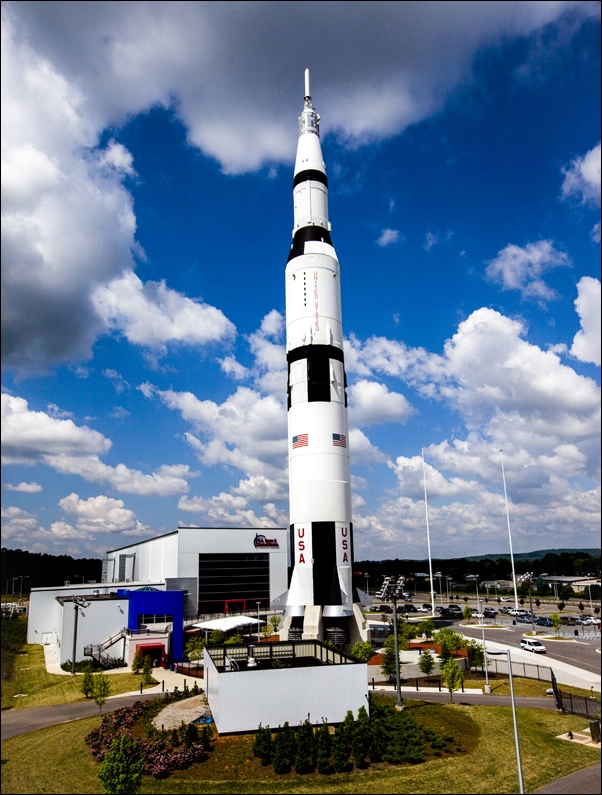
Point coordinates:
pixel 320 495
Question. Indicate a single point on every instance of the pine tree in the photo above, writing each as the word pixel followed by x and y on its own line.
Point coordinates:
pixel 147 670
pixel 361 739
pixel 191 735
pixel 341 750
pixel 121 770
pixel 290 743
pixel 348 726
pixel 305 743
pixel 323 748
pixel 262 746
pixel 280 758
pixel 378 740
pixel 137 662
pixel 206 738
pixel 426 663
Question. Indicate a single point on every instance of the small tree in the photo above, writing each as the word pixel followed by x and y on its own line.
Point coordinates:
pixel 147 670
pixel 191 735
pixel 323 747
pixel 341 750
pixel 101 689
pixel 290 743
pixel 88 681
pixel 275 622
pixel 521 601
pixel 465 598
pixel 556 622
pixel 561 606
pixel 388 665
pixel 361 738
pixel 499 600
pixel 194 648
pixel 266 631
pixel 452 675
pixel 216 637
pixel 537 603
pixel 467 612
pixel 121 770
pixel 407 740
pixel 448 642
pixel 137 662
pixel 363 651
pixel 426 628
pixel 262 746
pixel 234 640
pixel 476 654
pixel 581 607
pixel 305 748
pixel 426 663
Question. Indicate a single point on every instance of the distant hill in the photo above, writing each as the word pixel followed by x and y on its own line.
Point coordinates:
pixel 539 553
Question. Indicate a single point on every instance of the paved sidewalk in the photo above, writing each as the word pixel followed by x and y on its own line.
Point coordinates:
pixel 585 782
pixel 170 680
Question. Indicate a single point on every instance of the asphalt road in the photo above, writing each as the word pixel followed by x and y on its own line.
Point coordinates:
pixel 585 782
pixel 21 721
pixel 581 653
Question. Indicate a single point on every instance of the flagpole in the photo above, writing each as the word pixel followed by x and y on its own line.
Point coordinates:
pixel 428 536
pixel 509 533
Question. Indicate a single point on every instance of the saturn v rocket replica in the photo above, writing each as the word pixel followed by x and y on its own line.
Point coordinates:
pixel 321 602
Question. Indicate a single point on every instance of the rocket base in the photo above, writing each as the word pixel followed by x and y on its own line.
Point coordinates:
pixel 316 624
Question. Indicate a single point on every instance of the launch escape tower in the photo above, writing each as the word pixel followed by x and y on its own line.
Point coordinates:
pixel 321 602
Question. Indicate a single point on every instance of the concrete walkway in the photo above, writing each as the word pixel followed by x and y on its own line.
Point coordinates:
pixel 167 679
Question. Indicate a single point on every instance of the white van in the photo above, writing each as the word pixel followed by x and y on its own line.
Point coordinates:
pixel 529 644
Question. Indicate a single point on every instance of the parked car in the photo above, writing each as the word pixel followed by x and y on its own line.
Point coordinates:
pixel 451 609
pixel 489 612
pixel 584 621
pixel 529 644
pixel 374 608
pixel 543 621
pixel 423 609
pixel 518 611
pixel 569 621
pixel 476 614
pixel 523 619
pixel 505 599
pixel 505 610
pixel 386 609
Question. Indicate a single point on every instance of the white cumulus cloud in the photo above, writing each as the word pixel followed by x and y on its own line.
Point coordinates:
pixel 517 268
pixel 586 344
pixel 371 403
pixel 102 514
pixel 27 488
pixel 582 178
pixel 388 236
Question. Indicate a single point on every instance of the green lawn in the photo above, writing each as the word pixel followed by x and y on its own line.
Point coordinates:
pixel 42 688
pixel 63 763
pixel 500 685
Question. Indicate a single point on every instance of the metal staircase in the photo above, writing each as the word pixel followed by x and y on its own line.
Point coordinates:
pixel 98 650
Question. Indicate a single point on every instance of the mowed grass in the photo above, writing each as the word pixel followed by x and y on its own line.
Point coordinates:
pixel 43 689
pixel 56 760
pixel 500 686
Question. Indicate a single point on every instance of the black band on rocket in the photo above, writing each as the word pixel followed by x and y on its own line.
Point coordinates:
pixel 318 370
pixel 305 234
pixel 310 174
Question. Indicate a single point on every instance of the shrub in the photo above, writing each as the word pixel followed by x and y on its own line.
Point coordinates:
pixel 467 612
pixel 191 735
pixel 206 738
pixel 121 770
pixel 234 640
pixel 476 656
pixel 407 743
pixel 378 740
pixel 323 749
pixel 426 663
pixel 88 682
pixel 216 637
pixel 101 687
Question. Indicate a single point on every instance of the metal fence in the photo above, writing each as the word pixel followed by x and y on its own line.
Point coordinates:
pixel 526 670
pixel 280 650
pixel 576 705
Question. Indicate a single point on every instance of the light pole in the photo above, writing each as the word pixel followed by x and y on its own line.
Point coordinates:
pixel 439 575
pixel 77 603
pixel 509 533
pixel 428 537
pixel 391 593
pixel 258 623
pixel 591 604
pixel 482 622
pixel 367 578
pixel 519 765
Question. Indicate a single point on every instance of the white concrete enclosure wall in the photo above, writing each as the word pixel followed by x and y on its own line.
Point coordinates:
pixel 95 623
pixel 241 700
pixel 156 559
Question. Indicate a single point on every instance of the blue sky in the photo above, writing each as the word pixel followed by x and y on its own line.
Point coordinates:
pixel 147 214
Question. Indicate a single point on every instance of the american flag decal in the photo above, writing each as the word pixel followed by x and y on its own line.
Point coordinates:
pixel 339 440
pixel 301 440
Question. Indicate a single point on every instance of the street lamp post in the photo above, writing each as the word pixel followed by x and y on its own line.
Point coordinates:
pixel 428 538
pixel 391 593
pixel 367 578
pixel 519 765
pixel 482 622
pixel 258 623
pixel 509 533
pixel 77 603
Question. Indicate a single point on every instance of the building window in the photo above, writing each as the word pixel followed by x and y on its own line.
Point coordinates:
pixel 243 579
pixel 146 619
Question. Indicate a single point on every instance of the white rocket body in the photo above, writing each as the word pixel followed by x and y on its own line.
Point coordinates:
pixel 320 496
